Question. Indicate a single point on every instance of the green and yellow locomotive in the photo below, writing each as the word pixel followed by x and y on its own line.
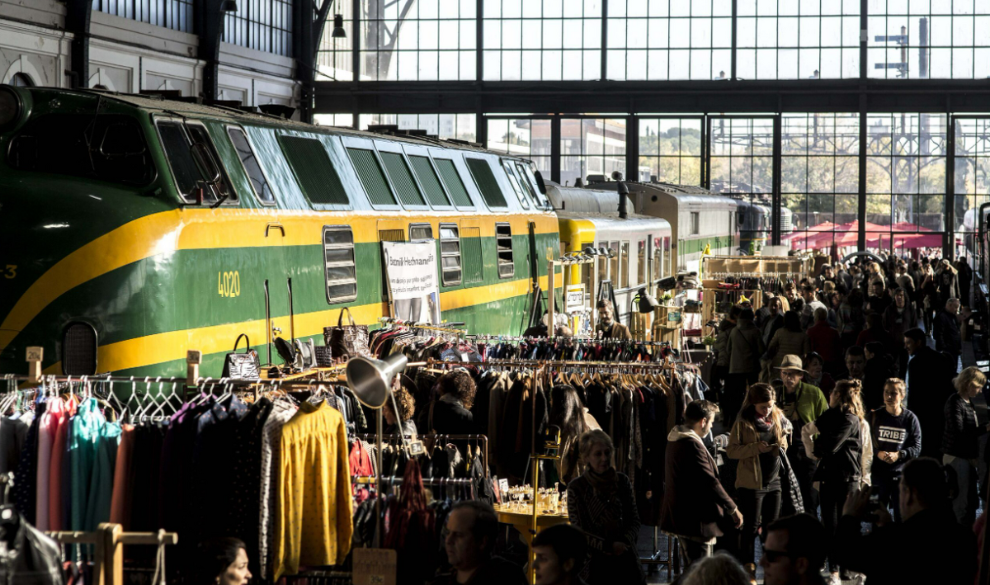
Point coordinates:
pixel 133 229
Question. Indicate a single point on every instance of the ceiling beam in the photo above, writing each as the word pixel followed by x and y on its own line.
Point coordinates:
pixel 572 97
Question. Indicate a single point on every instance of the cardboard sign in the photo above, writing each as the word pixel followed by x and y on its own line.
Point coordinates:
pixel 574 297
pixel 413 284
pixel 374 566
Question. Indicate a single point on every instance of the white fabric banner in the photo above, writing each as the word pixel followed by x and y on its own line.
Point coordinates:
pixel 412 280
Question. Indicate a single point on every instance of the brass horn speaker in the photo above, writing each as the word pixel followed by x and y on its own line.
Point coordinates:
pixel 371 379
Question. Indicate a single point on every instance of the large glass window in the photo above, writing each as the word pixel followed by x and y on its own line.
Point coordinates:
pixel 972 179
pixel 339 120
pixel 171 14
pixel 905 179
pixel 819 179
pixel 542 39
pixel 522 137
pixel 797 39
pixel 591 146
pixel 264 25
pixel 933 38
pixel 742 157
pixel 334 60
pixel 669 39
pixel 459 126
pixel 418 40
pixel 670 150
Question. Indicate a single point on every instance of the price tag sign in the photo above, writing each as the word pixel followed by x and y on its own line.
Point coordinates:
pixel 374 566
pixel 574 297
pixel 503 485
pixel 194 357
pixel 35 353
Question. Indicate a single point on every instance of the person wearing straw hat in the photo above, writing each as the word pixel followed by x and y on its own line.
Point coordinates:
pixel 801 403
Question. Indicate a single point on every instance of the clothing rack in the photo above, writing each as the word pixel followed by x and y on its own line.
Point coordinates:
pixel 438 437
pixel 515 338
pixel 394 479
pixel 108 541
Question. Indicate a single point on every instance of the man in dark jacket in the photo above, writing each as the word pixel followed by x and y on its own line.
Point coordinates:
pixel 947 337
pixel 880 366
pixel 928 387
pixel 721 371
pixel 745 348
pixel 472 529
pixel 945 551
pixel 773 321
pixel 694 499
pixel 794 552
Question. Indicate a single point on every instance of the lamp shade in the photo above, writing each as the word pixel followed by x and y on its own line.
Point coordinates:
pixel 371 379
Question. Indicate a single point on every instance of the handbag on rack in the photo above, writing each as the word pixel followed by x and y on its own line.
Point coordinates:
pixel 242 366
pixel 347 341
pixel 305 354
pixel 324 357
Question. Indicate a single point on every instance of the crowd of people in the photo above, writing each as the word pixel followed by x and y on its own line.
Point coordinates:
pixel 842 402
pixel 837 403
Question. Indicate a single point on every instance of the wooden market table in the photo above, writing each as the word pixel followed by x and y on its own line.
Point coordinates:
pixel 523 522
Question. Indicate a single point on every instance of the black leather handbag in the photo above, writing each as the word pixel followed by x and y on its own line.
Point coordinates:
pixel 242 366
pixel 347 341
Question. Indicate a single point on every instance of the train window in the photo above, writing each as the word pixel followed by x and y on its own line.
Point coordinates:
pixel 179 158
pixel 108 147
pixel 429 180
pixel 222 190
pixel 529 182
pixel 640 263
pixel 657 260
pixel 448 170
pixel 614 267
pixel 450 254
pixel 338 256
pixel 420 231
pixel 624 263
pixel 695 223
pixel 252 168
pixel 487 184
pixel 515 184
pixel 503 241
pixel 402 179
pixel 367 167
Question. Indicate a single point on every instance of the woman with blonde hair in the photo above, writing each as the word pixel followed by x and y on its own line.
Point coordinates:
pixel 601 503
pixel 961 441
pixel 838 446
pixel 759 434
pixel 719 569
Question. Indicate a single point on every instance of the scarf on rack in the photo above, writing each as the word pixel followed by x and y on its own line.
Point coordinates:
pixel 606 484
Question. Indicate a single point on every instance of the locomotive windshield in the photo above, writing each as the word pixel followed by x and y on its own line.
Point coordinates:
pixel 107 147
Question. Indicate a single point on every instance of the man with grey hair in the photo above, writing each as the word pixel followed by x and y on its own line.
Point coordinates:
pixel 946 329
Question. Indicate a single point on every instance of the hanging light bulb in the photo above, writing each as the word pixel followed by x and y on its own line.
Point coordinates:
pixel 338 27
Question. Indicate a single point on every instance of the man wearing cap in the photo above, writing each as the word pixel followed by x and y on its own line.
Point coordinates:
pixel 802 403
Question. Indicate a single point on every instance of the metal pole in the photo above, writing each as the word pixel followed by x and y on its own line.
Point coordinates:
pixel 379 421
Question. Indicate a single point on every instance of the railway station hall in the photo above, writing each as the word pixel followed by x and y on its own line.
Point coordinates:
pixel 494 292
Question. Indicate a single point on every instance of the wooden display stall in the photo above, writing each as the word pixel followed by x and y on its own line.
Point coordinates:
pixel 715 269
